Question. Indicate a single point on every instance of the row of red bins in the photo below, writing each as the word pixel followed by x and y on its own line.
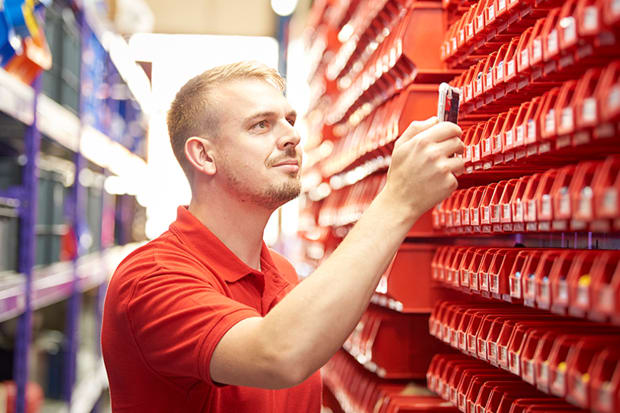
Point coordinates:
pixel 544 55
pixel 371 23
pixel 582 197
pixel 391 344
pixel 574 118
pixel 360 391
pixel 489 22
pixel 406 49
pixel 580 283
pixel 476 387
pixel 371 136
pixel 346 205
pixel 568 358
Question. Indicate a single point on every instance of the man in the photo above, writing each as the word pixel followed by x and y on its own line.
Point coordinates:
pixel 205 318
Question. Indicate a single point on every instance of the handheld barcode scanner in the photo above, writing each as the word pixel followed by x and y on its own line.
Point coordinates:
pixel 448 103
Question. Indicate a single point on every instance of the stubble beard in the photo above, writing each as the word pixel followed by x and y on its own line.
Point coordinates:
pixel 271 197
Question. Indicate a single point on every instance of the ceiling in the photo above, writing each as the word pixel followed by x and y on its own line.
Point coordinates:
pixel 233 17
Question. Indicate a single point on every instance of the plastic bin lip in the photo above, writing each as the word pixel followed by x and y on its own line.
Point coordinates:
pixel 609 97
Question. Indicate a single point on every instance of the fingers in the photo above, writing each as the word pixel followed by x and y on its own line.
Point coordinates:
pixel 455 165
pixel 441 131
pixel 450 147
pixel 416 127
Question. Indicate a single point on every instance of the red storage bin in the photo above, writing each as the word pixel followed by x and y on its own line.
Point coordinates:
pixel 581 189
pixel 483 271
pixel 499 273
pixel 579 365
pixel 605 382
pixel 516 204
pixel 529 202
pixel 495 206
pixel 605 194
pixel 561 201
pixel 544 204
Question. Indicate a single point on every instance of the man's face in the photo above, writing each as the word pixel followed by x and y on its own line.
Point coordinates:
pixel 258 158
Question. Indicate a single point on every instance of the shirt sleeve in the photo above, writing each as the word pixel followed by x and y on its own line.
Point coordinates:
pixel 178 319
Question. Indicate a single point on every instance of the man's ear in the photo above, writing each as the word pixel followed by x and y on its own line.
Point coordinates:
pixel 199 152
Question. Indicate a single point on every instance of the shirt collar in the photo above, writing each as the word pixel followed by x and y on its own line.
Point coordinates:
pixel 210 250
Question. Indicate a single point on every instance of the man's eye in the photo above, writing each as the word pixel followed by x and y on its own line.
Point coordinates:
pixel 263 124
pixel 291 121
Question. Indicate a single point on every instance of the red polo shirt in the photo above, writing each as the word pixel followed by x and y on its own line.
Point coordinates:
pixel 168 305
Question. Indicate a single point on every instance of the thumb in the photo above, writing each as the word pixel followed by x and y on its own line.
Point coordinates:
pixel 416 127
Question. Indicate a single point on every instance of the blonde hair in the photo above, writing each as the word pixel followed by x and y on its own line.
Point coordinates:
pixel 191 112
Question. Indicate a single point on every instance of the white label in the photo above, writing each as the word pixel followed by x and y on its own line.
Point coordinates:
pixel 525 58
pixel 589 110
pixel 537 49
pixel 500 71
pixel 520 134
pixel 550 121
pixel 487 145
pixel 510 68
pixel 585 203
pixel 480 20
pixel 545 205
pixel 590 18
pixel 613 101
pixel 462 36
pixel 562 291
pixel 519 211
pixel 490 79
pixel 567 118
pixel 610 200
pixel 531 130
pixel 498 141
pixel 501 5
pixel 509 137
pixel 506 212
pixel 564 201
pixel 552 42
pixel 485 214
pixel 479 84
pixel 531 210
pixel 470 30
pixel 491 11
pixel 570 31
pixel 453 43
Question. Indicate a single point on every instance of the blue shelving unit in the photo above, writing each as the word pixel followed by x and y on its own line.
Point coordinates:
pixel 32 287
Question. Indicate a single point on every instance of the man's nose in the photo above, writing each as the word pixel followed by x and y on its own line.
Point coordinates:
pixel 290 137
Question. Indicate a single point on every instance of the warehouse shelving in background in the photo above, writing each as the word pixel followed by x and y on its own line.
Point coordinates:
pixel 516 273
pixel 64 132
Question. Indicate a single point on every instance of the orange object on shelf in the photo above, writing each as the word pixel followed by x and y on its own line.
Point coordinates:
pixel 35 58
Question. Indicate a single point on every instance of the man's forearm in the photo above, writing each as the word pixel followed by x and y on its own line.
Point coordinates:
pixel 314 319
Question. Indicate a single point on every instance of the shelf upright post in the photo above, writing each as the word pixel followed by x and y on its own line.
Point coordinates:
pixel 78 208
pixel 27 237
pixel 78 201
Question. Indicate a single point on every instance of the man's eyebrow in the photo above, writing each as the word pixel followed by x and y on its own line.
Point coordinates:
pixel 269 114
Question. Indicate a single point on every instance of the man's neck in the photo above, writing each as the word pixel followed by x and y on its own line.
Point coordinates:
pixel 240 228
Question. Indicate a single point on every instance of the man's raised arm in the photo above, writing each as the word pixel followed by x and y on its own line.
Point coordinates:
pixel 308 326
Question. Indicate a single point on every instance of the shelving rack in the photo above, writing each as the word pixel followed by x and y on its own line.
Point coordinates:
pixel 33 283
pixel 519 268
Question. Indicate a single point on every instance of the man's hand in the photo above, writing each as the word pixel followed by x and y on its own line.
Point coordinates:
pixel 423 170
